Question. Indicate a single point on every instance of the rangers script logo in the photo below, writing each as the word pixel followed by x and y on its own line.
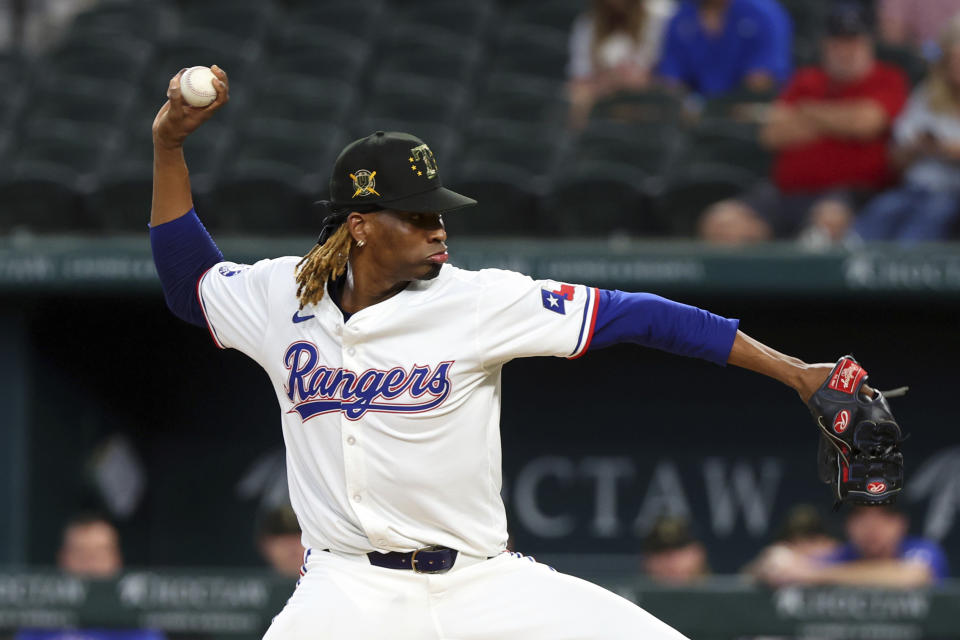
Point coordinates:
pixel 315 389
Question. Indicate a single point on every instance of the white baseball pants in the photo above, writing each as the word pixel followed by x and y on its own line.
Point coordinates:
pixel 508 597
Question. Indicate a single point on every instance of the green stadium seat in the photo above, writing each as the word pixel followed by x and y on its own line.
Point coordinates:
pixel 597 200
pixel 430 53
pixel 41 198
pixel 693 188
pixel 144 20
pixel 304 51
pixel 414 98
pixel 467 19
pixel 740 106
pixel 528 156
pixel 730 143
pixel 80 101
pixel 507 200
pixel 555 14
pixel 527 100
pixel 657 106
pixel 302 98
pixel 119 59
pixel 529 50
pixel 651 148
pixel 261 197
pixel 347 17
pixel 232 17
pixel 912 63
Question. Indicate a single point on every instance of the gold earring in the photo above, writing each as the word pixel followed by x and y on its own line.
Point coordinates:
pixel 360 243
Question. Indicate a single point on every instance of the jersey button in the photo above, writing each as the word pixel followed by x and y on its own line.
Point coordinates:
pixel 351 440
pixel 351 351
pixel 356 497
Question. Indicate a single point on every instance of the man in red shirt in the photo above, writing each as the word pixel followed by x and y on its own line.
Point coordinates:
pixel 829 131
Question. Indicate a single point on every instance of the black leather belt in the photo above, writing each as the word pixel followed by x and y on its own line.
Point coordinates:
pixel 426 560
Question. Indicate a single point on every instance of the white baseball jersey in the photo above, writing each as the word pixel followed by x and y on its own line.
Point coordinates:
pixel 391 419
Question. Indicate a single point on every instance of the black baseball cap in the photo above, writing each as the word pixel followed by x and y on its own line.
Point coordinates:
pixel 391 170
pixel 668 533
pixel 847 20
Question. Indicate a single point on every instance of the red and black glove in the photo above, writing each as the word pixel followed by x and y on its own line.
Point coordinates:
pixel 859 451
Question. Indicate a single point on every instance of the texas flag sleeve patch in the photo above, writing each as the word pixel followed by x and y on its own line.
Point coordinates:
pixel 553 301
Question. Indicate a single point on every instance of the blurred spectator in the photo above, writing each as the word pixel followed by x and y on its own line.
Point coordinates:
pixel 672 555
pixel 927 148
pixel 915 24
pixel 829 129
pixel 717 46
pixel 878 553
pixel 614 47
pixel 803 532
pixel 278 538
pixel 90 548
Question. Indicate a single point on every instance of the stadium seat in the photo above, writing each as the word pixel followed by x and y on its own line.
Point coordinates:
pixel 525 155
pixel 120 200
pixel 41 198
pixel 529 50
pixel 731 143
pixel 345 17
pixel 906 58
pixel 527 100
pixel 596 200
pixel 301 98
pixel 507 200
pixel 655 106
pixel 467 19
pixel 319 53
pixel 413 98
pixel 739 106
pixel 556 14
pixel 808 17
pixel 431 53
pixel 145 20
pixel 305 148
pixel 80 101
pixel 260 197
pixel 232 17
pixel 652 148
pixel 693 188
pixel 118 59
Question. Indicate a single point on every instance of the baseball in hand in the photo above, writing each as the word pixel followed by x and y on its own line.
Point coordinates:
pixel 196 86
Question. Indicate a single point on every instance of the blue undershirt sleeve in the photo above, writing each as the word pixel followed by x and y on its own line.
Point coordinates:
pixel 652 321
pixel 182 252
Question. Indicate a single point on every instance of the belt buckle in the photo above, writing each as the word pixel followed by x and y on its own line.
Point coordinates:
pixel 413 559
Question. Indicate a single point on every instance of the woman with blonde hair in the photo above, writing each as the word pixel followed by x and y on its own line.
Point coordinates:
pixel 926 147
pixel 614 47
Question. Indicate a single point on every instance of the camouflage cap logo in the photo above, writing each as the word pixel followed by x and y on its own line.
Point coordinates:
pixel 364 183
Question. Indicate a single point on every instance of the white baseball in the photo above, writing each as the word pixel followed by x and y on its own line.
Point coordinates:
pixel 196 86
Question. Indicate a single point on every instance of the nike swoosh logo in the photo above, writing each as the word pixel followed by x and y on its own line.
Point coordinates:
pixel 298 318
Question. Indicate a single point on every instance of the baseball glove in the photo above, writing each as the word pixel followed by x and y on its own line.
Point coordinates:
pixel 859 452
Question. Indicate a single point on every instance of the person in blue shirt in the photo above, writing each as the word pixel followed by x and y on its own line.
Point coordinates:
pixel 878 553
pixel 714 47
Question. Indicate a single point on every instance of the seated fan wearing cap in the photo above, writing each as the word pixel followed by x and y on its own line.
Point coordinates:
pixel 386 363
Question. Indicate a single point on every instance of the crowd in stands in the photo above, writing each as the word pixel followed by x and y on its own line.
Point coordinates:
pixel 831 122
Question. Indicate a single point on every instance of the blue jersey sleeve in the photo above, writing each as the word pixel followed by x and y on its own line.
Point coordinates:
pixel 927 552
pixel 182 252
pixel 652 321
pixel 672 54
pixel 771 49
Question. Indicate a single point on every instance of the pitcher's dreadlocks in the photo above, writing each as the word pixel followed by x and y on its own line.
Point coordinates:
pixel 327 260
